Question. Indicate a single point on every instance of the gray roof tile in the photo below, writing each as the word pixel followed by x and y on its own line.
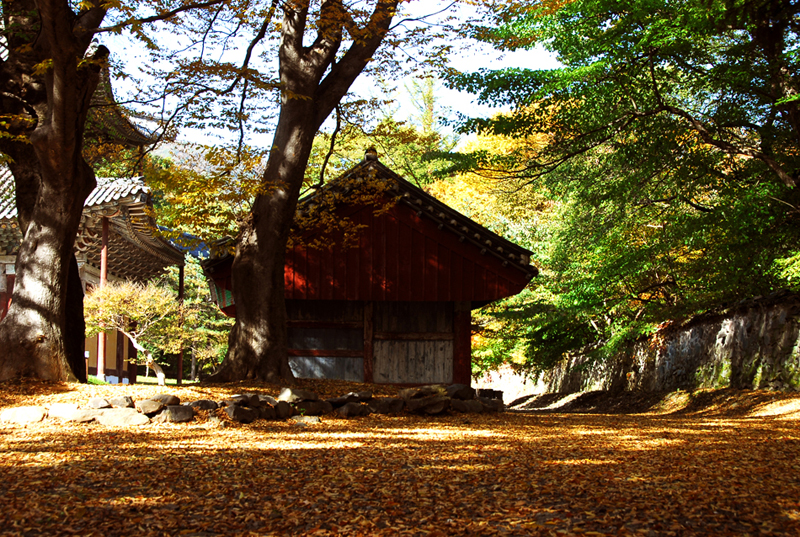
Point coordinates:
pixel 107 190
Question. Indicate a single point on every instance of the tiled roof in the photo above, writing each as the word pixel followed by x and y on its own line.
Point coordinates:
pixel 108 190
pixel 443 215
pixel 107 119
pixel 137 249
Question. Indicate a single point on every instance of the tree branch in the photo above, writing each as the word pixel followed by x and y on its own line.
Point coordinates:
pixel 336 130
pixel 160 17
pixel 342 74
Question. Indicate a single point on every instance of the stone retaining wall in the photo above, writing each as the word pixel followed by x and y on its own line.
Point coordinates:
pixel 753 345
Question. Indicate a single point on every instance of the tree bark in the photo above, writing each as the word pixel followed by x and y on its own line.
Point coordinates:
pixel 258 341
pixel 149 361
pixel 52 182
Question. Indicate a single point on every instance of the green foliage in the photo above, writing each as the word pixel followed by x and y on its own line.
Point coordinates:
pixel 145 313
pixel 205 328
pixel 152 315
pixel 204 191
pixel 669 159
pixel 94 380
pixel 402 144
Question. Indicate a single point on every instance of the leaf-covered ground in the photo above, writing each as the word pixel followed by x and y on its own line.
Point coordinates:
pixel 677 470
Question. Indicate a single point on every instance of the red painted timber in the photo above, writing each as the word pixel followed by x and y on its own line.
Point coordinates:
pixel 393 257
pixel 398 255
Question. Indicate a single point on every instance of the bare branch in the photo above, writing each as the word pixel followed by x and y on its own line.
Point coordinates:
pixel 160 17
pixel 336 130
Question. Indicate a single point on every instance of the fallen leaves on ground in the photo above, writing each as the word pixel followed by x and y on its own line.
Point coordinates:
pixel 489 474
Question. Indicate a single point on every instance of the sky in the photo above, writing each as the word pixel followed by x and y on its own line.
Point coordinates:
pixel 471 57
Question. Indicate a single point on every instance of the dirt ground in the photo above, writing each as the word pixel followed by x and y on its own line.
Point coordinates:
pixel 704 463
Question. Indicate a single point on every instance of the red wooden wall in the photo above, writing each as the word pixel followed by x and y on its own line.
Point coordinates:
pixel 400 257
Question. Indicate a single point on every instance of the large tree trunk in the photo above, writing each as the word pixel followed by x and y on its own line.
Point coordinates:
pixel 52 183
pixel 34 332
pixel 257 346
pixel 258 342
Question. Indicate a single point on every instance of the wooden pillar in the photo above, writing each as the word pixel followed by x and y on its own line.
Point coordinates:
pixel 140 161
pixel 101 337
pixel 133 369
pixel 180 300
pixel 120 356
pixel 368 341
pixel 462 343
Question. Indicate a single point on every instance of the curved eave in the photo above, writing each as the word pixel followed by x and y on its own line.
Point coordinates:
pixel 113 123
pixel 445 217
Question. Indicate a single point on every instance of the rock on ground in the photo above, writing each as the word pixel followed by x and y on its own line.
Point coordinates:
pixel 167 399
pixel 63 411
pixel 22 415
pixel 122 417
pixel 292 395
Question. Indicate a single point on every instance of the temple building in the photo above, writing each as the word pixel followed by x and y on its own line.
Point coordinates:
pixel 117 238
pixel 387 296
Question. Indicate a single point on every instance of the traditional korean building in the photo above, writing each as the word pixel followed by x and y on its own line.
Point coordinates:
pixel 387 296
pixel 116 220
pixel 117 238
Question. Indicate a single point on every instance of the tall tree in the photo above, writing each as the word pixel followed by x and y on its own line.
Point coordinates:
pixel 48 75
pixel 671 136
pixel 314 78
pixel 47 81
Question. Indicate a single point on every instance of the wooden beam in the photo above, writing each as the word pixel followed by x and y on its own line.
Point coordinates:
pixel 120 356
pixel 133 369
pixel 179 381
pixel 369 356
pixel 332 353
pixel 324 324
pixel 414 336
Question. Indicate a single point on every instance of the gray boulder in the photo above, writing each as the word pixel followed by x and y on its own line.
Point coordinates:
pixel 267 400
pixel 179 413
pixel 283 410
pixel 267 412
pixel 255 400
pixel 343 399
pixel 387 405
pixel 121 417
pixel 490 394
pixel 431 405
pixel 62 411
pixel 352 410
pixel 241 400
pixel 167 399
pixel 242 414
pixel 313 408
pixel 423 391
pixel 149 407
pixel 460 391
pixel 292 395
pixel 203 404
pixel 99 402
pixel 470 406
pixel 123 401
pixel 364 396
pixel 23 415
pixel 84 415
pixel 491 405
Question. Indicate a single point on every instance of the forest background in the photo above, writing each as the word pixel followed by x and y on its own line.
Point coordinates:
pixel 652 171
